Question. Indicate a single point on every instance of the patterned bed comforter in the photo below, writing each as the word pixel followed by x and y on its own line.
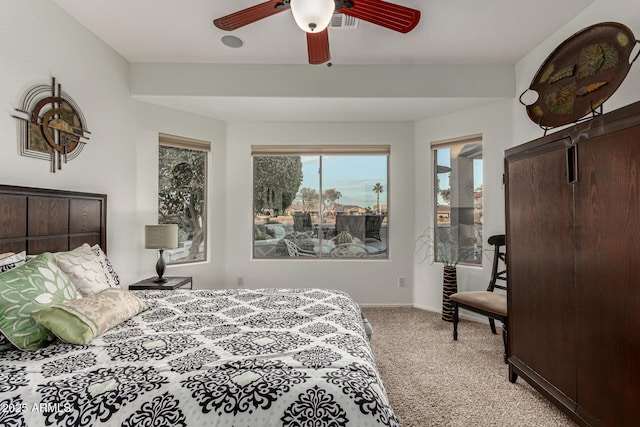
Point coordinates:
pixel 267 357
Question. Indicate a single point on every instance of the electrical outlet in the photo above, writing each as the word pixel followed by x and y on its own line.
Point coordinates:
pixel 401 282
pixel 240 281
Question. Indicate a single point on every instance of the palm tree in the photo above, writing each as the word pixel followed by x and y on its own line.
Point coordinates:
pixel 378 189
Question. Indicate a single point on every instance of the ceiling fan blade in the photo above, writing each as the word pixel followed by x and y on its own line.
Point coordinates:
pixel 389 15
pixel 318 47
pixel 250 15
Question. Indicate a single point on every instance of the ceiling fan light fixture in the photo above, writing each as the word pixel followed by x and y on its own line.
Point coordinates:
pixel 312 16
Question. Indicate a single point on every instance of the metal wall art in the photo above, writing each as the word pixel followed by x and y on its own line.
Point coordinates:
pixel 580 75
pixel 50 125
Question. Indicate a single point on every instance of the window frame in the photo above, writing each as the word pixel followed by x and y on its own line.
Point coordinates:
pixel 434 147
pixel 322 151
pixel 185 143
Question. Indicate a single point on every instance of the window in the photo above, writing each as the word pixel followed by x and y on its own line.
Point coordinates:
pixel 313 202
pixel 458 200
pixel 182 195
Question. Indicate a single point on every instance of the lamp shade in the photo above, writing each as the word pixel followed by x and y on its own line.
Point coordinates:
pixel 163 236
pixel 312 16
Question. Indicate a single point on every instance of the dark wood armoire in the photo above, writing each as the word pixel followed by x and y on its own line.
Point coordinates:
pixel 573 239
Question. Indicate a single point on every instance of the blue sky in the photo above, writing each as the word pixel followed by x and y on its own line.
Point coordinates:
pixel 353 176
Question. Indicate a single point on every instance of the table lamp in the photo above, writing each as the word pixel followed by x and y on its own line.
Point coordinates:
pixel 161 237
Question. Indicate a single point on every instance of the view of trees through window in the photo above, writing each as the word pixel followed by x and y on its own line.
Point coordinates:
pixel 182 193
pixel 458 195
pixel 320 206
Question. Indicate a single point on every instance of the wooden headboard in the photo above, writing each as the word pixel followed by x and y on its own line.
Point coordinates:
pixel 40 220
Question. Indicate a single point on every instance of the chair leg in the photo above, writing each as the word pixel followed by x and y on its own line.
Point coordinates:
pixel 492 324
pixel 455 321
pixel 505 340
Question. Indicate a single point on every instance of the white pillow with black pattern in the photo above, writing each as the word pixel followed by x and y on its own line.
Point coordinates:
pixel 110 274
pixel 11 261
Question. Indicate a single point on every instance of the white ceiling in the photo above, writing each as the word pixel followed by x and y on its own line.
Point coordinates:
pixel 450 32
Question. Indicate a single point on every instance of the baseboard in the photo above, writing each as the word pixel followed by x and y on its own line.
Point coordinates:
pixel 398 305
pixel 427 308
pixel 462 313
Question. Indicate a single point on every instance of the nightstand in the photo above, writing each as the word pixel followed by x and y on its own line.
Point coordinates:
pixel 170 284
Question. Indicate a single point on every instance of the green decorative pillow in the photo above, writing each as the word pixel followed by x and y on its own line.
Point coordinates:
pixel 79 321
pixel 30 287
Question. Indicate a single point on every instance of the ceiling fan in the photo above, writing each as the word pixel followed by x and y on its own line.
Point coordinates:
pixel 313 16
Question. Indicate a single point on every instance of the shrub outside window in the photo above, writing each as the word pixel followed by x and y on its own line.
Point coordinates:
pixel 182 191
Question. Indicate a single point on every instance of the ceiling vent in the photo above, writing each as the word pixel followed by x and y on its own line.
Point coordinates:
pixel 343 21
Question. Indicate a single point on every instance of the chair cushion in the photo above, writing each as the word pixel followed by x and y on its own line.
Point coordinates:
pixel 488 301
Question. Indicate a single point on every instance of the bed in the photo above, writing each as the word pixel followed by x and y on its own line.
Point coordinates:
pixel 230 357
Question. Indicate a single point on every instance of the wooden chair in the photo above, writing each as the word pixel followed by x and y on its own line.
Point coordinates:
pixel 488 303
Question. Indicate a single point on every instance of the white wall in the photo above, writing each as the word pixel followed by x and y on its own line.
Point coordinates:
pixel 368 282
pixel 503 125
pixel 626 12
pixel 494 123
pixel 151 121
pixel 38 41
pixel 121 160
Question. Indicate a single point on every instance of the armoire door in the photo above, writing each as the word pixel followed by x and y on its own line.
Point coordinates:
pixel 541 296
pixel 608 278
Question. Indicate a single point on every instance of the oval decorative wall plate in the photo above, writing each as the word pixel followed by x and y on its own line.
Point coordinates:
pixel 581 74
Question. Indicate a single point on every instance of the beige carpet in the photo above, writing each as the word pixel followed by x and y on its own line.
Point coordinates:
pixel 435 381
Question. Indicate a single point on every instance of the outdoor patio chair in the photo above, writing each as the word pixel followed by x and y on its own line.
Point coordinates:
pixel 352 224
pixel 302 222
pixel 372 225
pixel 295 250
